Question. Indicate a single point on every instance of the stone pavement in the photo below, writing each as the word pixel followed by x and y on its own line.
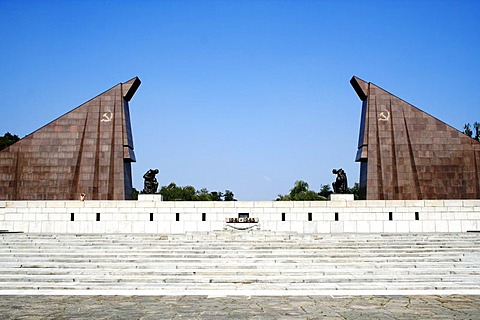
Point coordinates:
pixel 240 307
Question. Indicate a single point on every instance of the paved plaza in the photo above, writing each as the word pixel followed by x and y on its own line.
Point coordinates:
pixel 240 307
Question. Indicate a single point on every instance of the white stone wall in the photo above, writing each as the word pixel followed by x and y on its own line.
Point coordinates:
pixel 134 216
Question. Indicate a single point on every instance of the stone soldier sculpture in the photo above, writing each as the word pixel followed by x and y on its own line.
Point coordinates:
pixel 340 185
pixel 150 184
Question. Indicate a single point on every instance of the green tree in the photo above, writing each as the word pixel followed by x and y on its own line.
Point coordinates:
pixel 325 190
pixel 283 197
pixel 172 192
pixel 355 190
pixel 476 127
pixel 203 195
pixel 188 193
pixel 169 192
pixel 300 192
pixel 308 195
pixel 299 188
pixel 229 196
pixel 475 133
pixel 467 129
pixel 216 196
pixel 134 194
pixel 7 140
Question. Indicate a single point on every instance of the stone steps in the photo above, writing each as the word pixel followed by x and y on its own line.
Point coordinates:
pixel 350 269
pixel 72 273
pixel 240 261
pixel 237 278
pixel 321 256
pixel 220 288
pixel 246 248
pixel 245 263
pixel 221 253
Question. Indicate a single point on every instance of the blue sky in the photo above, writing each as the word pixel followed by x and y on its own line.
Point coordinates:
pixel 242 95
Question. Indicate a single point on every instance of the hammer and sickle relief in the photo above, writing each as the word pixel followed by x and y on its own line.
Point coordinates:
pixel 384 115
pixel 107 116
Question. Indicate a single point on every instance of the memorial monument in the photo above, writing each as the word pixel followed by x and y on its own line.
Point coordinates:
pixel 340 186
pixel 407 154
pixel 150 184
pixel 88 151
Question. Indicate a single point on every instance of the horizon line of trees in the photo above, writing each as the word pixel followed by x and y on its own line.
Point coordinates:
pixel 172 192
pixel 301 192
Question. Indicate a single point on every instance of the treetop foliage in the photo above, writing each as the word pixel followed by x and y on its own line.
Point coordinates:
pixel 300 192
pixel 7 140
pixel 172 192
pixel 475 133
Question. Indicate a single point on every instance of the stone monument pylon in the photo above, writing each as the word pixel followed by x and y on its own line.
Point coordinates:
pixel 407 154
pixel 88 150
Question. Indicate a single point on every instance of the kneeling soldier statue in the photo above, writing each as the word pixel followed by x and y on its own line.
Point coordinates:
pixel 150 184
pixel 340 185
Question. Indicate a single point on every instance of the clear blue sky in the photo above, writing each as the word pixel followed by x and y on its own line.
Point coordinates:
pixel 242 95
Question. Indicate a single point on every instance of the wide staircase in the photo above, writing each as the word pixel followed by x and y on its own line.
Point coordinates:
pixel 234 262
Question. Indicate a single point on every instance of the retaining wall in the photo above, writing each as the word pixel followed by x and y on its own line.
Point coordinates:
pixel 151 216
